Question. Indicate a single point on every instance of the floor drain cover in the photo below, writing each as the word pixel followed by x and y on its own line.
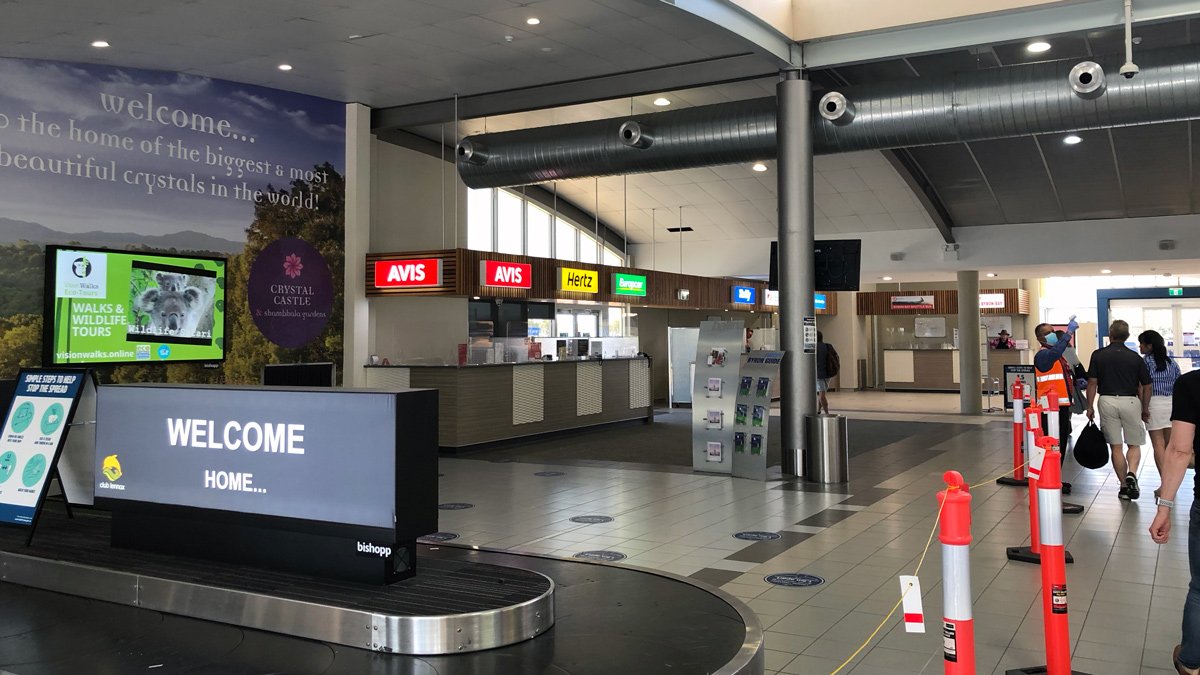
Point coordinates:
pixel 757 536
pixel 455 506
pixel 591 520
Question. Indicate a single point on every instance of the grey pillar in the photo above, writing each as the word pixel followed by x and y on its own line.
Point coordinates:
pixel 970 396
pixel 798 378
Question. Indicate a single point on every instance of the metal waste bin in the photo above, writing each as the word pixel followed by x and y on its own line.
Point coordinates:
pixel 827 458
pixel 793 462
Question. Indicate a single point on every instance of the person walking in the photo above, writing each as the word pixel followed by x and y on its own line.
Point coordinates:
pixel 1053 373
pixel 828 365
pixel 1185 415
pixel 1122 380
pixel 1163 374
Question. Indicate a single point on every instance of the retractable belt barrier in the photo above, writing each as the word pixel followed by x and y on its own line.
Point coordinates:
pixel 1017 479
pixel 1056 621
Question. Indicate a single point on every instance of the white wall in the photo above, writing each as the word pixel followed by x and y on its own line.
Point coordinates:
pixel 848 335
pixel 427 328
pixel 357 319
pixel 413 201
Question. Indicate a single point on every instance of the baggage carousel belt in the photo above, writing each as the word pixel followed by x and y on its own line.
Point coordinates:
pixel 609 618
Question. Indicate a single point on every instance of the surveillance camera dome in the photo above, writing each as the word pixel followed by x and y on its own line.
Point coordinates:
pixel 1129 70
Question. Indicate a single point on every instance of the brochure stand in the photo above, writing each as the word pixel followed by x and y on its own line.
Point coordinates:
pixel 752 414
pixel 718 366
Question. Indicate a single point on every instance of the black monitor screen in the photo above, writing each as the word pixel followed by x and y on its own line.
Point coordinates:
pixel 836 264
pixel 299 375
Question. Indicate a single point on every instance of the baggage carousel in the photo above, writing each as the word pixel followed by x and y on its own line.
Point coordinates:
pixel 72 604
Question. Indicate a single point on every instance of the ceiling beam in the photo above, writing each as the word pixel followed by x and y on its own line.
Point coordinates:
pixel 993 28
pixel 906 165
pixel 618 85
pixel 741 22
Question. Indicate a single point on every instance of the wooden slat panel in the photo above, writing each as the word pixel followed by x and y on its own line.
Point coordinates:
pixel 1016 301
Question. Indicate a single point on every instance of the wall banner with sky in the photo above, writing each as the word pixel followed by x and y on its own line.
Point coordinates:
pixel 138 160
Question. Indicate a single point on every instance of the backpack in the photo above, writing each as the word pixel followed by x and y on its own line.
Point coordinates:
pixel 833 363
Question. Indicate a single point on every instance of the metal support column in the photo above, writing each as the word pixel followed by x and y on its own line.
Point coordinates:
pixel 970 375
pixel 798 378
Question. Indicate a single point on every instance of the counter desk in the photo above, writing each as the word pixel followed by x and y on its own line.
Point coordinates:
pixel 494 402
pixel 938 369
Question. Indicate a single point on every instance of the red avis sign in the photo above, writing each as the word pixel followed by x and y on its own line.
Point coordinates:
pixel 408 273
pixel 505 274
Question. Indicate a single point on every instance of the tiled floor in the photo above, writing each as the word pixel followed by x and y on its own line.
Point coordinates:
pixel 1125 593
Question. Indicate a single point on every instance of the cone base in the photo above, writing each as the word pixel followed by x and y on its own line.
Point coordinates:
pixel 1025 554
pixel 1072 509
pixel 1036 670
pixel 1013 482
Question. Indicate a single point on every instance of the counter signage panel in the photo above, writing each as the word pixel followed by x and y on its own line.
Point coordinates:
pixel 912 302
pixel 991 301
pixel 415 273
pixel 745 295
pixel 629 284
pixel 505 274
pixel 771 299
pixel 818 300
pixel 578 281
pixel 265 452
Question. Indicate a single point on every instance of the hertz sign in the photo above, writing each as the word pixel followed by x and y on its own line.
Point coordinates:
pixel 578 281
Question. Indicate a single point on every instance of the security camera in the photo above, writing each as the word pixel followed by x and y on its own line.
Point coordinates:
pixel 1129 70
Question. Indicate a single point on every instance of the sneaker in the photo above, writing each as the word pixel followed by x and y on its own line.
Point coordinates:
pixel 1066 488
pixel 1123 493
pixel 1131 482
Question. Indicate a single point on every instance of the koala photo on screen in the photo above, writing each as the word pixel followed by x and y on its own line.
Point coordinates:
pixel 180 305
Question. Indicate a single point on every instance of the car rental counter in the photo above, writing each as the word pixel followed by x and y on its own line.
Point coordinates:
pixel 494 402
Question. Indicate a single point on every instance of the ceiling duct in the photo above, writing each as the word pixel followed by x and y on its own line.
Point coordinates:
pixel 1019 100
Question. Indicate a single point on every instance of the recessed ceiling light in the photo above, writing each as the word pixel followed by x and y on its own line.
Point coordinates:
pixel 991 274
pixel 285 67
pixel 100 44
pixel 1072 139
pixel 1106 271
pixel 533 21
pixel 759 167
pixel 475 297
pixel 886 278
pixel 1037 47
pixel 547 49
pixel 660 101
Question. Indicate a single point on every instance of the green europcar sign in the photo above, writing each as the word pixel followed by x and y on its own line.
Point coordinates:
pixel 628 284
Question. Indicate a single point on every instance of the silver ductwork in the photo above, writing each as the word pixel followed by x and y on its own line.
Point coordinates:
pixel 1036 98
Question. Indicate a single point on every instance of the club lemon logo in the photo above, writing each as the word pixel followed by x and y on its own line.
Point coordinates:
pixel 111 468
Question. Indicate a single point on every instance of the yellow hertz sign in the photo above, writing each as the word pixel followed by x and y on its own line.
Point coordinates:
pixel 579 281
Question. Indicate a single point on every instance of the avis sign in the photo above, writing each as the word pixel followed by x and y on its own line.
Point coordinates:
pixel 416 273
pixel 578 281
pixel 506 274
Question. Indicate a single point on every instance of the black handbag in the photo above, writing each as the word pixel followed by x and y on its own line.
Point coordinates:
pixel 1091 450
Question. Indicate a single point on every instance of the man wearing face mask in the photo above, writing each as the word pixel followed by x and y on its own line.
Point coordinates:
pixel 1053 374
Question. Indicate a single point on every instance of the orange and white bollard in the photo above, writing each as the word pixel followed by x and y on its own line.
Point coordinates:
pixel 1054 570
pixel 1033 432
pixel 1017 477
pixel 958 623
pixel 1053 431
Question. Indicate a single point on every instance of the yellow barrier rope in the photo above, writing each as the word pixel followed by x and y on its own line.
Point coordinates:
pixel 887 618
pixel 995 478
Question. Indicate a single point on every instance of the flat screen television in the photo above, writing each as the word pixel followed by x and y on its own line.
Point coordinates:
pixel 836 264
pixel 109 306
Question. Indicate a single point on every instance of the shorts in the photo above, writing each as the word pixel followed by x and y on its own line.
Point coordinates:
pixel 1121 420
pixel 822 385
pixel 1160 413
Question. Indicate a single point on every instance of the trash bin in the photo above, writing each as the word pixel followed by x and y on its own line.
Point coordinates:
pixel 827 458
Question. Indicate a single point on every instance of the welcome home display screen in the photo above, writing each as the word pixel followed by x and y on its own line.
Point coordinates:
pixel 127 307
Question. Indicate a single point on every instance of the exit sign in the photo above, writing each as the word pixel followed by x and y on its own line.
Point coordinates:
pixel 1175 292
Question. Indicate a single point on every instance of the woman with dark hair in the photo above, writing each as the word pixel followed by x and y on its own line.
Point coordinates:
pixel 1163 373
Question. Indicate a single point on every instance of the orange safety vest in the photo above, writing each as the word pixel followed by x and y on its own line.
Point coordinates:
pixel 1054 379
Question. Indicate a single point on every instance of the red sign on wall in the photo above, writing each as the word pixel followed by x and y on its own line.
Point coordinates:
pixel 505 274
pixel 408 273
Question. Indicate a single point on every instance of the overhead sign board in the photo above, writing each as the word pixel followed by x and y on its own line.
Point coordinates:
pixel 505 274
pixel 771 299
pixel 745 295
pixel 33 434
pixel 912 302
pixel 415 273
pixel 578 281
pixel 1176 292
pixel 991 301
pixel 628 284
pixel 818 300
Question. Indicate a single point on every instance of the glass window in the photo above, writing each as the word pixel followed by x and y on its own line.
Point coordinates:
pixel 509 225
pixel 587 248
pixel 588 324
pixel 479 219
pixel 564 240
pixel 612 258
pixel 537 232
pixel 616 321
pixel 566 324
